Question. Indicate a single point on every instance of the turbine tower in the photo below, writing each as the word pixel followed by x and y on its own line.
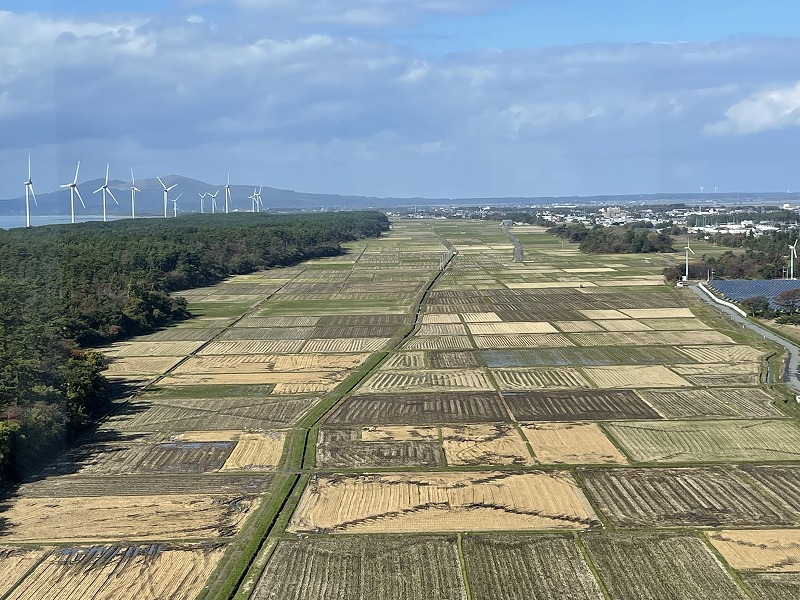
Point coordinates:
pixel 227 193
pixel 175 205
pixel 254 198
pixel 792 256
pixel 134 189
pixel 104 188
pixel 73 189
pixel 214 202
pixel 687 250
pixel 259 204
pixel 166 193
pixel 29 191
pixel 702 188
pixel 202 202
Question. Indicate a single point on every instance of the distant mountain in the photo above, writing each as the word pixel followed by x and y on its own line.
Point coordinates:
pixel 150 200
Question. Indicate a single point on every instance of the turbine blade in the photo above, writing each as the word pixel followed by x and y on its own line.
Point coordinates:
pixel 107 165
pixel 97 190
pixel 77 191
pixel 133 179
pixel 161 182
pixel 34 194
pixel 78 168
pixel 110 193
pixel 29 167
pixel 134 188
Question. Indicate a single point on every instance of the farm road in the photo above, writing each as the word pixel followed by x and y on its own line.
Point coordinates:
pixel 792 374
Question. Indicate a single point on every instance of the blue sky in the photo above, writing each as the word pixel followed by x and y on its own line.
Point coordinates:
pixel 406 97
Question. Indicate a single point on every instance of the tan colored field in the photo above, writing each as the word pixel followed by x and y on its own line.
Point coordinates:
pixel 577 326
pixel 590 270
pixel 722 354
pixel 530 340
pixel 399 433
pixel 206 436
pixel 133 572
pixel 622 325
pixel 452 379
pixel 141 365
pixel 14 563
pixel 406 360
pixel 95 518
pixel 443 343
pixel 637 376
pixel 277 322
pixel 322 379
pixel 511 327
pixel 481 317
pixel 177 348
pixel 345 345
pixel 572 443
pixel 253 347
pixel 259 363
pixel 485 444
pixel 256 451
pixel 534 379
pixel 631 282
pixel 428 502
pixel 604 314
pixel 441 329
pixel 774 550
pixel 727 369
pixel 687 324
pixel 659 313
pixel 549 284
pixel 440 319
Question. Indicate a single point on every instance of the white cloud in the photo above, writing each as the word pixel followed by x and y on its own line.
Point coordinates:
pixel 777 108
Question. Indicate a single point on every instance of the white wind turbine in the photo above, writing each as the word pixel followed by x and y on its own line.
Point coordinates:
pixel 792 256
pixel 702 188
pixel 214 202
pixel 175 205
pixel 134 189
pixel 73 189
pixel 29 191
pixel 254 198
pixel 259 203
pixel 104 188
pixel 227 193
pixel 166 194
pixel 687 250
pixel 202 202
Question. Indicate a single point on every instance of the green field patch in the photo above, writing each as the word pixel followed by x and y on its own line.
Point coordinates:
pixel 217 310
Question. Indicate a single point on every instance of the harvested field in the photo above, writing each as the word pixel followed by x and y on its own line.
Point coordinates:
pixel 355 332
pixel 443 343
pixel 490 444
pixel 361 448
pixel 440 330
pixel 750 402
pixel 511 328
pixel 124 517
pixel 722 354
pixel 362 320
pixel 345 345
pixel 781 481
pixel 141 365
pixel 604 314
pixel 454 360
pixel 723 374
pixel 431 318
pixel 453 380
pixel 688 324
pixel 259 363
pixel 319 381
pixel 111 572
pixel 687 497
pixel 153 349
pixel 572 443
pixel 622 325
pixel 445 407
pixel 14 563
pixel 658 566
pixel 708 441
pixel 689 404
pixel 256 451
pixel 577 326
pixel 441 502
pixel 578 405
pixel 481 317
pixel 658 313
pixel 390 568
pixel 530 340
pixel 266 333
pixel 180 334
pixel 517 567
pixel 535 379
pixel 253 347
pixel 399 433
pixel 406 360
pixel 774 550
pixel 639 376
pixel 277 322
pixel 598 356
pixel 773 586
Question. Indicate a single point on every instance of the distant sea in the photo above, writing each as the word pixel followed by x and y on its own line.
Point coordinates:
pixel 10 221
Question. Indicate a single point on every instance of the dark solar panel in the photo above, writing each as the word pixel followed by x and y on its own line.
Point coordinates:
pixel 737 290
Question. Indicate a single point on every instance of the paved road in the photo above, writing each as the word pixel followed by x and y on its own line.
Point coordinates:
pixel 792 374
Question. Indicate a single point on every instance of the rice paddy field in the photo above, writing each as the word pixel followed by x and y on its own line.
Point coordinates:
pixel 421 417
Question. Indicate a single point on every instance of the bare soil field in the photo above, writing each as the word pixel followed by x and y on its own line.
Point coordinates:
pixel 355 332
pixel 773 586
pixel 141 365
pixel 399 409
pixel 536 379
pixel 277 322
pixel 440 330
pixel 253 347
pixel 689 497
pixel 441 343
pixel 708 441
pixel 354 320
pixel 481 317
pixel 418 381
pixel 143 572
pixel 285 383
pixel 97 518
pixel 688 324
pixel 639 376
pixel 622 325
pixel 689 404
pixel 658 313
pixel 657 566
pixel 454 360
pixel 578 405
pixel 774 550
pixel 427 502
pixel 154 348
pixel 577 326
pixel 604 314
pixel 485 444
pixel 583 356
pixel 722 353
pixel 365 568
pixel 406 360
pixel 333 346
pixel 392 446
pixel 429 318
pixel 523 340
pixel 256 451
pixel 721 374
pixel 572 443
pixel 266 333
pixel 511 328
pixel 14 563
pixel 518 567
pixel 782 481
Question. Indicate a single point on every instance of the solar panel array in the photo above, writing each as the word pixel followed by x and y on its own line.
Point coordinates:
pixel 737 290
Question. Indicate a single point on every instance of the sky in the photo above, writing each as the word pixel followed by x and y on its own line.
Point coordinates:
pixel 404 98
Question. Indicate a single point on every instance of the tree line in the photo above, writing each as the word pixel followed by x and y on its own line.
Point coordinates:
pixel 633 238
pixel 64 288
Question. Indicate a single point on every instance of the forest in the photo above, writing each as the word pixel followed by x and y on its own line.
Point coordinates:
pixel 634 238
pixel 64 288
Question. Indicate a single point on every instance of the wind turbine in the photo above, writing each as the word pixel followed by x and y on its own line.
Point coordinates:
pixel 166 192
pixel 259 203
pixel 227 193
pixel 792 256
pixel 134 189
pixel 702 188
pixel 73 189
pixel 254 198
pixel 175 205
pixel 687 250
pixel 29 190
pixel 104 188
pixel 202 202
pixel 214 202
